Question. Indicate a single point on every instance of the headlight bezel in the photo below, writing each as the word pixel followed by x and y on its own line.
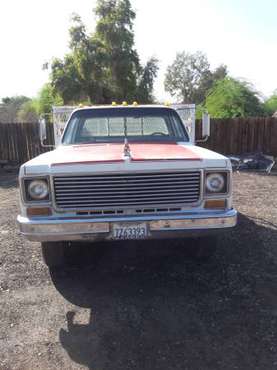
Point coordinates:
pixel 27 196
pixel 227 184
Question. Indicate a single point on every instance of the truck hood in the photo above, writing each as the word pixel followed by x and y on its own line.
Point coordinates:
pixel 112 157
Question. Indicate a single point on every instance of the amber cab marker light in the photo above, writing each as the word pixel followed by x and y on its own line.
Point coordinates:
pixel 124 103
pixel 215 204
pixel 38 211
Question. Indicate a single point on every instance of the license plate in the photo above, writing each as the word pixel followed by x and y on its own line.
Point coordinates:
pixel 129 231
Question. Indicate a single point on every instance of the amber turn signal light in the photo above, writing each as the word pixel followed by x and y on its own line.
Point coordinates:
pixel 215 204
pixel 36 212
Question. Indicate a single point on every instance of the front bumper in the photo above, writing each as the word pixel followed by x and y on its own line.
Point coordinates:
pixel 159 226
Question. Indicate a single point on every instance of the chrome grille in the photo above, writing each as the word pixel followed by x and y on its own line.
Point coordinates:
pixel 127 190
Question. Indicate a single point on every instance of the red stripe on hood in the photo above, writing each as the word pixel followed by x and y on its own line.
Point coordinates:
pixel 109 153
pixel 160 151
pixel 86 154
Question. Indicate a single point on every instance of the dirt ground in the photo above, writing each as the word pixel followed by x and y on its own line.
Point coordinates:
pixel 145 305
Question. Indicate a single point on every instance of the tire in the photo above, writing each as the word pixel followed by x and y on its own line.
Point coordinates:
pixel 53 253
pixel 205 247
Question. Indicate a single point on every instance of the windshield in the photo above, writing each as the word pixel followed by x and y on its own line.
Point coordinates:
pixel 114 124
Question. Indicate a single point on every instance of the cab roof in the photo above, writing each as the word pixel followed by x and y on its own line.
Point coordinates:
pixel 127 106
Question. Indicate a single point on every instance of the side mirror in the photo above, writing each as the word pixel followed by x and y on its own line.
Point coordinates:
pixel 206 128
pixel 42 130
pixel 42 133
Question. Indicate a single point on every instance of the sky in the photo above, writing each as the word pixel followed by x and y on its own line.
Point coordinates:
pixel 239 33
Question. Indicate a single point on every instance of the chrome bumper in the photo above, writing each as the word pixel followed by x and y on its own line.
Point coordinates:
pixel 159 226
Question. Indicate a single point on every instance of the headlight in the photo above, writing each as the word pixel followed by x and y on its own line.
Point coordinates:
pixel 216 183
pixel 37 190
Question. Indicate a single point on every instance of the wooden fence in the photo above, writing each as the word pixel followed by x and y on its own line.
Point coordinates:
pixel 242 135
pixel 19 142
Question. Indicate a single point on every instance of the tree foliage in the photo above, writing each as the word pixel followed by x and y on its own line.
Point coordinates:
pixel 46 99
pixel 146 81
pixel 15 101
pixel 114 30
pixel 207 82
pixel 31 109
pixel 28 112
pixel 65 79
pixel 271 104
pixel 189 78
pixel 11 106
pixel 104 66
pixel 231 98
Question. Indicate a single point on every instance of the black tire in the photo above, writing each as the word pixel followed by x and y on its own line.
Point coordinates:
pixel 53 253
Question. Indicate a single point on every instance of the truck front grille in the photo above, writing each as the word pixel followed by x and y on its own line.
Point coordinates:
pixel 119 191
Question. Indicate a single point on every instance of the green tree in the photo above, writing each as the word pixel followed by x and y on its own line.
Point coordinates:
pixel 28 112
pixel 146 81
pixel 66 81
pixel 271 104
pixel 115 31
pixel 189 78
pixel 82 75
pixel 103 66
pixel 231 98
pixel 207 81
pixel 43 103
pixel 46 99
pixel 11 106
pixel 16 101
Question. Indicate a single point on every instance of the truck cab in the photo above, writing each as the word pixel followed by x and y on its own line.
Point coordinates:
pixel 120 173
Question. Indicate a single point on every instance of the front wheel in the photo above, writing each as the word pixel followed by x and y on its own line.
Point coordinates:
pixel 53 253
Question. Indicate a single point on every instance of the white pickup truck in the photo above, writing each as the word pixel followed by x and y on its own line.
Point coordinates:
pixel 124 172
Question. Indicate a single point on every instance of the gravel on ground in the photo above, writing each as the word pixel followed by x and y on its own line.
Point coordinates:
pixel 144 305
